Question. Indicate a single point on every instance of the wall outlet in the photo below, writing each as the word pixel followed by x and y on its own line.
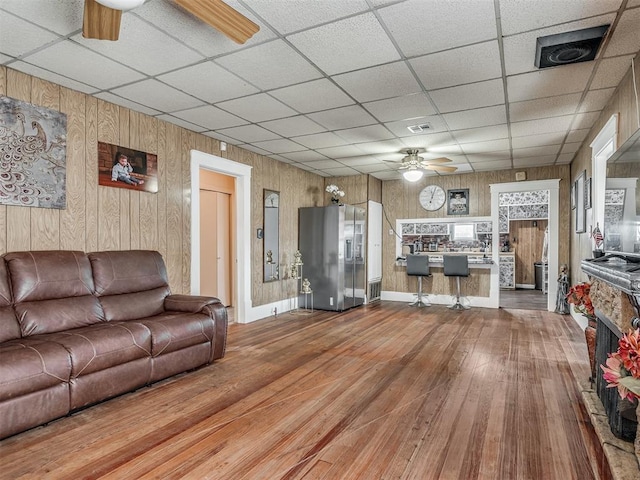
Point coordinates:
pixel 331 301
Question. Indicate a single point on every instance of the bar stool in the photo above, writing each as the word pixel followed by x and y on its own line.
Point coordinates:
pixel 457 266
pixel 418 266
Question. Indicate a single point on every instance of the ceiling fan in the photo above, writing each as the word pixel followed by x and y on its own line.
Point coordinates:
pixel 102 18
pixel 414 165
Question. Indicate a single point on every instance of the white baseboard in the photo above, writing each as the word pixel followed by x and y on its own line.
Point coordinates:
pixel 525 286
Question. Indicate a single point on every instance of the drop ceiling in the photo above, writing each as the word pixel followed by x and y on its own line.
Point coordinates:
pixel 331 86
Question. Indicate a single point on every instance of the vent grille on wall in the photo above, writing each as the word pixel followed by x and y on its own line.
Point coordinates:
pixel 569 47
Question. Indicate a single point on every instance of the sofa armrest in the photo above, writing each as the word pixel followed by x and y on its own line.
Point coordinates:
pixel 210 306
pixel 188 303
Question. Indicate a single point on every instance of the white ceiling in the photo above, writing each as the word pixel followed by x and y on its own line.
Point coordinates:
pixel 331 85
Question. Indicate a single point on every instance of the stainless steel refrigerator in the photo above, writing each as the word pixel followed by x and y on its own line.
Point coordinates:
pixel 332 243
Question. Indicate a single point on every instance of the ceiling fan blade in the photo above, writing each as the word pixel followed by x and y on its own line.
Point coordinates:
pixel 222 17
pixel 440 168
pixel 432 161
pixel 100 22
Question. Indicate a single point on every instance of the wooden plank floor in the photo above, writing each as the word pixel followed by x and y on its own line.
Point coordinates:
pixel 378 392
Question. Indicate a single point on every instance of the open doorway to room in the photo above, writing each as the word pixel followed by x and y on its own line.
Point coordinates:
pixel 240 223
pixel 526 216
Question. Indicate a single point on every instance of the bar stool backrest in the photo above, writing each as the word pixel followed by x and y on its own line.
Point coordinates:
pixel 418 265
pixel 456 265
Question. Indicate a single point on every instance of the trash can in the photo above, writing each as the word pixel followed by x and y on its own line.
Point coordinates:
pixel 538 275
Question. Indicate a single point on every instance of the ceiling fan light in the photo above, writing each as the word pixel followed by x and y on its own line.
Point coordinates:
pixel 121 4
pixel 412 175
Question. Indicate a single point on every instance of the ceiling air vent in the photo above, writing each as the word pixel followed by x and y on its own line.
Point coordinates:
pixel 419 128
pixel 569 47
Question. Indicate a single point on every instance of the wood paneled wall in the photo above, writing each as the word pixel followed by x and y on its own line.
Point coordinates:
pixel 400 200
pixel 625 104
pixel 527 240
pixel 105 218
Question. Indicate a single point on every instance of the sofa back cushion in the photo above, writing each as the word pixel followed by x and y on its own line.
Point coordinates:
pixel 131 284
pixel 52 290
pixel 9 327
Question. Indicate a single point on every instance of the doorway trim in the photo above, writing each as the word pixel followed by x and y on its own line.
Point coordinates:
pixel 553 186
pixel 242 175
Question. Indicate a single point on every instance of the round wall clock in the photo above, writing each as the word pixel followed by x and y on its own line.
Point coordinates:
pixel 432 197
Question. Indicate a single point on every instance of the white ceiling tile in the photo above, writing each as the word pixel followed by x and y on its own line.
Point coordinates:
pixel 146 48
pixel 222 138
pixel 534 161
pixel 538 140
pixel 249 133
pixel 491 165
pixel 280 158
pixel 304 156
pixel 461 168
pixel 595 100
pixel 155 94
pixel 379 167
pixel 520 50
pixel 565 158
pixel 465 97
pixel 369 133
pixel 30 38
pixel 401 108
pixel 210 117
pixel 610 72
pixel 4 58
pixel 60 16
pixel 387 175
pixel 269 65
pixel 320 140
pixel 373 148
pixel 257 108
pixel 312 96
pixel 421 27
pixel 198 80
pixel 72 60
pixel 481 134
pixel 546 125
pixel 282 145
pixel 544 107
pixel 288 17
pixel 626 37
pixel 306 167
pixel 253 148
pixel 324 164
pixel 376 83
pixel 584 120
pixel 577 135
pixel 437 142
pixel 549 82
pixel 523 15
pixel 53 77
pixel 177 22
pixel 570 147
pixel 181 123
pixel 293 126
pixel 344 117
pixel 340 171
pixel 341 151
pixel 476 117
pixel 110 97
pixel 489 156
pixel 468 64
pixel 549 150
pixel 365 160
pixel 400 128
pixel 356 42
pixel 488 146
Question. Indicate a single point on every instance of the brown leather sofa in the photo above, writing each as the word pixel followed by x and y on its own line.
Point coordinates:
pixel 78 328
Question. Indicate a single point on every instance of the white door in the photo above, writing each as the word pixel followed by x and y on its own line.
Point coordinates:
pixel 215 245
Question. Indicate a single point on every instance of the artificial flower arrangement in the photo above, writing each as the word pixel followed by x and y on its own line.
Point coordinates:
pixel 623 367
pixel 578 296
pixel 336 193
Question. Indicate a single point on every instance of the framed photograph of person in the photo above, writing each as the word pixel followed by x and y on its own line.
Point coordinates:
pixel 458 202
pixel 123 167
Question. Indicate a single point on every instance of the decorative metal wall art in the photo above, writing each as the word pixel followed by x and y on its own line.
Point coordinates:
pixel 33 155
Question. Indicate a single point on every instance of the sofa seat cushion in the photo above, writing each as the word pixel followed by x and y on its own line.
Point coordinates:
pixel 173 331
pixel 102 346
pixel 30 365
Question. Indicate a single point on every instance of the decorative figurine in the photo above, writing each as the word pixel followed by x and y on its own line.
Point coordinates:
pixel 562 305
pixel 306 286
pixel 297 258
pixel 294 272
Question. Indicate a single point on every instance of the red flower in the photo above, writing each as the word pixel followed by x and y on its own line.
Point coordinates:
pixel 579 297
pixel 623 366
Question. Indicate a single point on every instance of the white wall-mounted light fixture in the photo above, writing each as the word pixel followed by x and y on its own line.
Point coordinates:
pixel 121 4
pixel 412 174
